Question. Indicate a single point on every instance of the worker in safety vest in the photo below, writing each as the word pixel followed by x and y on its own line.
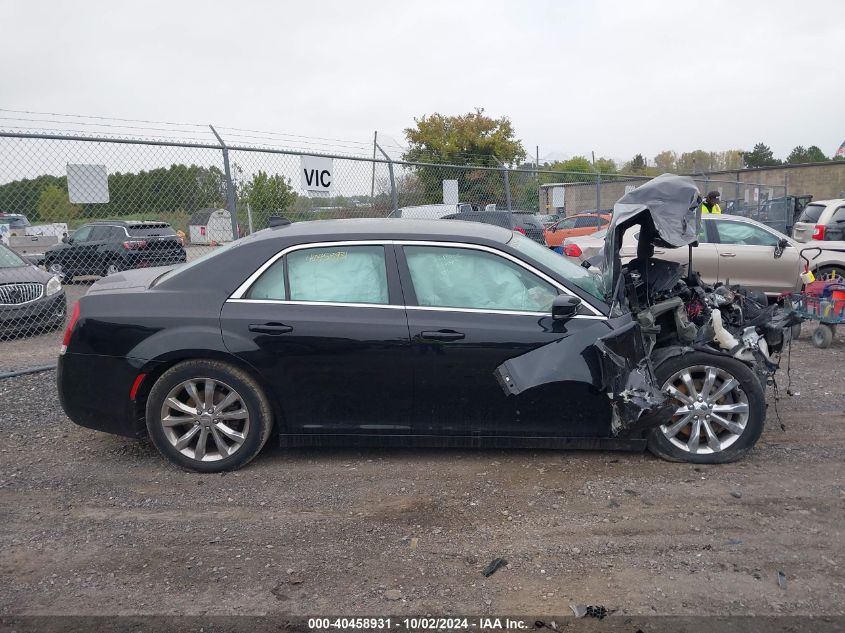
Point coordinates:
pixel 711 203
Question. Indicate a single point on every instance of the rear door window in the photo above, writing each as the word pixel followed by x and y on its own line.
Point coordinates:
pixel 99 234
pixel 151 230
pixel 338 274
pixel 838 215
pixel 82 234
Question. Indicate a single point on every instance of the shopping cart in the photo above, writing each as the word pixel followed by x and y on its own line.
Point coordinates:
pixel 822 301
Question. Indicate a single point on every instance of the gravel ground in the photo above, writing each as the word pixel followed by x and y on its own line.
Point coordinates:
pixel 95 523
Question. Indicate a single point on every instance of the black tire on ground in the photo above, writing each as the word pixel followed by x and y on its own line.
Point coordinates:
pixel 661 446
pixel 253 399
pixel 823 336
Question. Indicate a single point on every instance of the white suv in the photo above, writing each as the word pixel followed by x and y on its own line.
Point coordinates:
pixel 821 220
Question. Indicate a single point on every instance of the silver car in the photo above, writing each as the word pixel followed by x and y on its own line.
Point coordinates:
pixel 823 220
pixel 732 250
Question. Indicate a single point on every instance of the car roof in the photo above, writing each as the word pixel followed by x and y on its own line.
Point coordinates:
pixel 386 228
pixel 137 223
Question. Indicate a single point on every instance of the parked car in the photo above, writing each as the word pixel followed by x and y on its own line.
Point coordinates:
pixel 430 211
pixel 575 225
pixel 549 219
pixel 31 300
pixel 823 220
pixel 731 248
pixel 104 248
pixel 523 222
pixel 417 332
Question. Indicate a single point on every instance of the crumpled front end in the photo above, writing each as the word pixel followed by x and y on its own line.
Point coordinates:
pixel 624 374
pixel 628 379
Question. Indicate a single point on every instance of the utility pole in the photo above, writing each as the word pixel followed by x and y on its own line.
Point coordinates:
pixel 373 185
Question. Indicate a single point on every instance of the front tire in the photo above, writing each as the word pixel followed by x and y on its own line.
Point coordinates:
pixel 208 416
pixel 721 407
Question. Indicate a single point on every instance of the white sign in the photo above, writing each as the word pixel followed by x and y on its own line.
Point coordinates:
pixel 450 192
pixel 87 184
pixel 317 173
pixel 558 196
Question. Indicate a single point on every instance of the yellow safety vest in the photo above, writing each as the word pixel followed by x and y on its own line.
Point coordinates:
pixel 714 209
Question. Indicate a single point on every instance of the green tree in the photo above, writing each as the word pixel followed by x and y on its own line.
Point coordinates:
pixel 635 166
pixel 467 139
pixel 666 161
pixel 812 154
pixel 54 206
pixel 760 156
pixel 269 193
pixel 472 139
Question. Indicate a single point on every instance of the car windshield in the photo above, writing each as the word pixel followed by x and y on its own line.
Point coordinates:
pixel 581 277
pixel 811 213
pixel 10 259
pixel 14 221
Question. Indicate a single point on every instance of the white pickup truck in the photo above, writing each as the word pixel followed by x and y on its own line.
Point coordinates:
pixel 28 240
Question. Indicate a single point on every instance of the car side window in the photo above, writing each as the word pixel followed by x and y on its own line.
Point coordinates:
pixel 271 283
pixel 702 233
pixel 99 233
pixel 744 234
pixel 448 277
pixel 583 223
pixel 838 215
pixel 82 234
pixel 568 223
pixel 338 274
pixel 116 234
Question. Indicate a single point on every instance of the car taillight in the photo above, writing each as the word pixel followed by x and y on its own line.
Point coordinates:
pixel 74 317
pixel 519 229
pixel 572 250
pixel 134 245
pixel 818 233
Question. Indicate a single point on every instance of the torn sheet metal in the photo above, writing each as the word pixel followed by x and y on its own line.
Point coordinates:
pixel 626 377
pixel 668 208
pixel 635 397
pixel 540 366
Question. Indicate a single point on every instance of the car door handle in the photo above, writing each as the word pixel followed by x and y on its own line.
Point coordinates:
pixel 442 335
pixel 658 252
pixel 727 254
pixel 270 328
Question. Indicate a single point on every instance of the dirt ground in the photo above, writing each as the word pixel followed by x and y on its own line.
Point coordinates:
pixel 97 524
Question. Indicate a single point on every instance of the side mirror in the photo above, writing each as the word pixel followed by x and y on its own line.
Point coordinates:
pixel 66 239
pixel 782 244
pixel 564 307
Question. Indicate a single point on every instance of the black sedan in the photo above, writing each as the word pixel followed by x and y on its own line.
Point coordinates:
pixel 374 331
pixel 31 300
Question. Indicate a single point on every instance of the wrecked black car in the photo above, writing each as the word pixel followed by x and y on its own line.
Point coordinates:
pixel 714 349
pixel 412 332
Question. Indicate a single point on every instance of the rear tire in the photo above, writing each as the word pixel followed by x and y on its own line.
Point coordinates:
pixel 222 426
pixel 720 427
pixel 828 272
pixel 823 336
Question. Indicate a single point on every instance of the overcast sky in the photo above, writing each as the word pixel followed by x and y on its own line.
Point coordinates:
pixel 614 77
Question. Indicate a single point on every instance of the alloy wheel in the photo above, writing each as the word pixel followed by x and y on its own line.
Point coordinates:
pixel 712 410
pixel 205 419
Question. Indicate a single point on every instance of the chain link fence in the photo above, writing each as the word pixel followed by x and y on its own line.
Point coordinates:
pixel 74 209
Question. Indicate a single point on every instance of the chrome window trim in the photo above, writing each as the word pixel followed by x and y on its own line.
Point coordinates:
pixel 238 294
pixel 388 306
